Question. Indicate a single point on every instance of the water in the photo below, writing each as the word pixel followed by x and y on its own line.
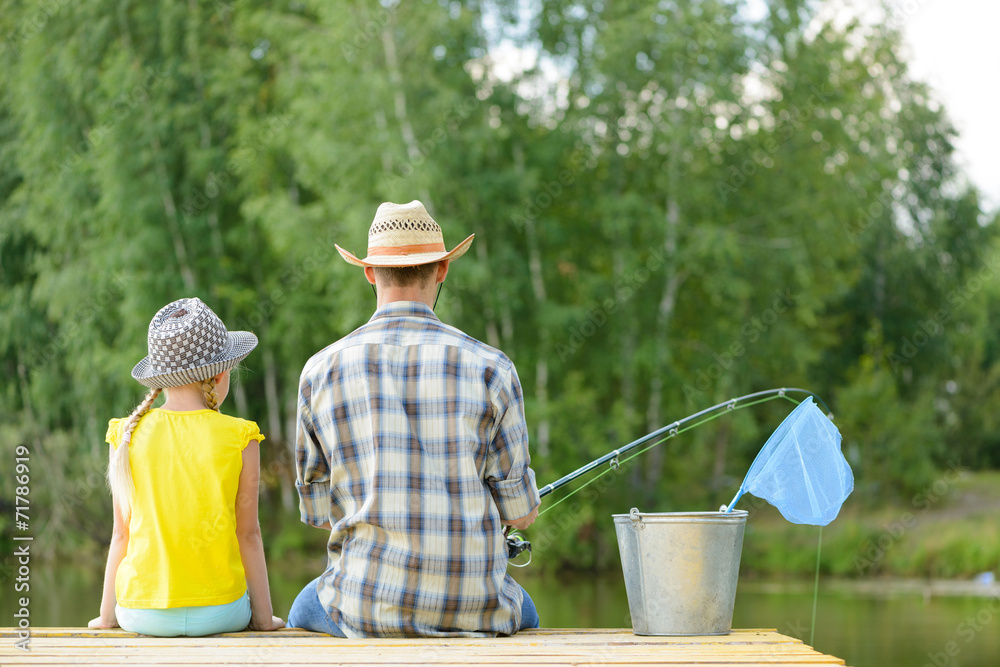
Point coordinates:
pixel 874 627
pixel 884 628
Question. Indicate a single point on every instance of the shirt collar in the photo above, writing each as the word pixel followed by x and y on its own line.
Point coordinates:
pixel 404 309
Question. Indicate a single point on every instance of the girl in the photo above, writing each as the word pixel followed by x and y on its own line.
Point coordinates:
pixel 186 555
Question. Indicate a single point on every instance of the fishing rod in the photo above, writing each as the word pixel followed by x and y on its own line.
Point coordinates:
pixel 516 543
pixel 672 430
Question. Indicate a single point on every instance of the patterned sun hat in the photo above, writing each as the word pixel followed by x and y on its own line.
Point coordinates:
pixel 405 235
pixel 189 343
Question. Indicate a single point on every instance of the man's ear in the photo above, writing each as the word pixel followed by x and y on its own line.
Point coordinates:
pixel 370 274
pixel 442 271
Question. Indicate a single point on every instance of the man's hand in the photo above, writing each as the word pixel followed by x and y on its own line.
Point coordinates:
pixel 523 522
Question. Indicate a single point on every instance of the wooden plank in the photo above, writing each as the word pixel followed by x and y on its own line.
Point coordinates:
pixel 561 632
pixel 499 649
pixel 425 658
pixel 547 634
pixel 227 657
pixel 328 658
pixel 548 647
pixel 190 642
pixel 373 660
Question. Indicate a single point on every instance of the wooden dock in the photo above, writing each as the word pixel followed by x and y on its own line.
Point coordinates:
pixel 61 646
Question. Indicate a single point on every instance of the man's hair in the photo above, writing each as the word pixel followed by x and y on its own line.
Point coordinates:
pixel 404 276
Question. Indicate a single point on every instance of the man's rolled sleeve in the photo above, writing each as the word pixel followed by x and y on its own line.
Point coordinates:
pixel 509 476
pixel 516 498
pixel 312 471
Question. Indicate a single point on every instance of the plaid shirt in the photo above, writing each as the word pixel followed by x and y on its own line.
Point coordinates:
pixel 412 444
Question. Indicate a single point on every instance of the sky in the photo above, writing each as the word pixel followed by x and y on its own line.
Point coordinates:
pixel 953 45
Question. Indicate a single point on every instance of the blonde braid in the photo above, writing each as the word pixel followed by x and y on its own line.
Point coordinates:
pixel 211 397
pixel 119 470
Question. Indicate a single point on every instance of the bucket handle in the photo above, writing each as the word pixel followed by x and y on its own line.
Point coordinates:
pixel 636 518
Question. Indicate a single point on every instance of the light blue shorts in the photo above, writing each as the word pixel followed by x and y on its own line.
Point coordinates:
pixel 187 621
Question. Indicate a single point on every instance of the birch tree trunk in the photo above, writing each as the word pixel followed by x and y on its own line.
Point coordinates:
pixel 489 310
pixel 173 220
pixel 665 313
pixel 399 105
pixel 204 130
pixel 163 179
pixel 628 347
pixel 544 342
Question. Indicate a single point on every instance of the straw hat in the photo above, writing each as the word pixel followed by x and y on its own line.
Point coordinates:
pixel 189 343
pixel 405 235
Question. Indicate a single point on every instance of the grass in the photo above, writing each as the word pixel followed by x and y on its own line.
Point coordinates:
pixel 949 530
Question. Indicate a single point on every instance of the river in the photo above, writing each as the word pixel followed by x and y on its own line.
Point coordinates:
pixel 882 625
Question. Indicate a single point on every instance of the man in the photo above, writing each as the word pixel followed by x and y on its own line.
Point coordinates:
pixel 412 449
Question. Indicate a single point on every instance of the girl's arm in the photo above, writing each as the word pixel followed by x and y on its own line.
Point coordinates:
pixel 119 546
pixel 251 545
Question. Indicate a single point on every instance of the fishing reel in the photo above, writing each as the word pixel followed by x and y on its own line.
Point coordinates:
pixel 516 545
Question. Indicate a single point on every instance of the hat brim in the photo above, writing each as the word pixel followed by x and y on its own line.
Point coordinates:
pixel 238 345
pixel 415 259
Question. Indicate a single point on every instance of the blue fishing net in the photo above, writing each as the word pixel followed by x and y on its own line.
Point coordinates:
pixel 801 470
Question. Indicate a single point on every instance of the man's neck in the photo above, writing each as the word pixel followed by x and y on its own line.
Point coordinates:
pixel 387 295
pixel 423 292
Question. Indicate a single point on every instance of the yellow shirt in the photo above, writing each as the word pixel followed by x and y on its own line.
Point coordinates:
pixel 182 546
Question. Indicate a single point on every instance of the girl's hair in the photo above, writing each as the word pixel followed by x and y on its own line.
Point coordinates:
pixel 211 399
pixel 119 470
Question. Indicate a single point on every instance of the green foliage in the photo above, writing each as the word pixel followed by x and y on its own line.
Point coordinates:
pixel 898 450
pixel 952 537
pixel 674 204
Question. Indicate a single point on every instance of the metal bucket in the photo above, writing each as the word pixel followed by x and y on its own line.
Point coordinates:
pixel 681 570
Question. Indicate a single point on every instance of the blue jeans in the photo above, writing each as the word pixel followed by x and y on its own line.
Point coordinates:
pixel 308 612
pixel 187 621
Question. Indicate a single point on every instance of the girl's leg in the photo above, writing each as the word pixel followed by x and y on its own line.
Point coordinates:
pixel 211 620
pixel 155 622
pixel 187 621
pixel 308 612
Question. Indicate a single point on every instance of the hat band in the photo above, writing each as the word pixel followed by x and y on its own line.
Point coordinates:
pixel 407 249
